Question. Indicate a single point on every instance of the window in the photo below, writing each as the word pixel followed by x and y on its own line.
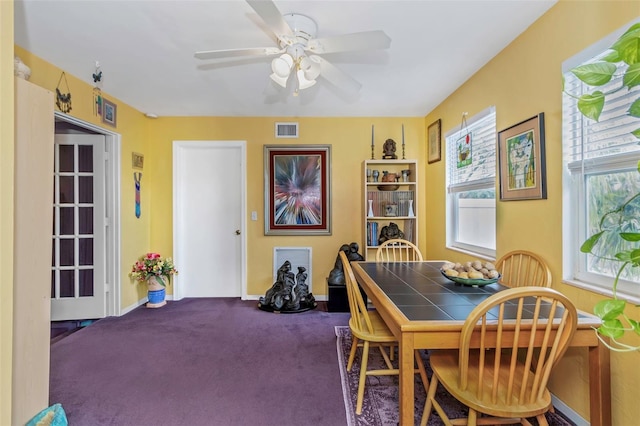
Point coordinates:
pixel 471 185
pixel 600 161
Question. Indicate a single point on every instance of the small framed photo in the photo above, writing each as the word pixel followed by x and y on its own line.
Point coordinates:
pixel 109 112
pixel 434 146
pixel 137 160
pixel 522 160
pixel 297 189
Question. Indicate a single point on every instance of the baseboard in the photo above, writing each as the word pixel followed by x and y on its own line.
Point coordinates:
pixel 140 303
pixel 568 412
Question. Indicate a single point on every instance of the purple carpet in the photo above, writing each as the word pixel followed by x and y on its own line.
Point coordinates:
pixel 380 407
pixel 201 362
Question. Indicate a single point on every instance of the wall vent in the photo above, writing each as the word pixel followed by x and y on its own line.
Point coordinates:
pixel 286 130
pixel 298 256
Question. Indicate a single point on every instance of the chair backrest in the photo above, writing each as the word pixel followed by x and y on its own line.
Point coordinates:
pixel 398 250
pixel 523 268
pixel 526 346
pixel 357 307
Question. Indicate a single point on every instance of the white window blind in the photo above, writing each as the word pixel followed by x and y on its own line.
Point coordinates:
pixel 590 144
pixel 481 172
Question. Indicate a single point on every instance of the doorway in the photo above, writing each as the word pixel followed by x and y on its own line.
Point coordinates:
pixel 209 211
pixel 85 282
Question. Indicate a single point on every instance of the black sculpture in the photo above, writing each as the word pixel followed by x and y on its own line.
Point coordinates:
pixel 390 232
pixel 336 276
pixel 290 293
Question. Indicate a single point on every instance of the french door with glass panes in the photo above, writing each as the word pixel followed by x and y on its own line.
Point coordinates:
pixel 78 264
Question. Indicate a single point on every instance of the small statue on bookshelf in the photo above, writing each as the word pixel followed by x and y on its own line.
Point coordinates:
pixel 389 150
pixel 390 232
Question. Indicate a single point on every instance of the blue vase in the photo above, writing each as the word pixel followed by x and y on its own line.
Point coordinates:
pixel 156 296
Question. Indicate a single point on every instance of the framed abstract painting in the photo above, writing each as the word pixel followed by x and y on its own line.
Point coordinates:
pixel 297 190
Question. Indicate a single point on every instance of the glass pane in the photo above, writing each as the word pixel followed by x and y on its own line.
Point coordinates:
pixel 85 224
pixel 53 252
pixel 53 284
pixel 85 158
pixel 65 158
pixel 66 221
pixel 85 189
pixel 86 282
pixel 605 193
pixel 66 189
pixel 66 283
pixel 476 218
pixel 67 257
pixel 85 246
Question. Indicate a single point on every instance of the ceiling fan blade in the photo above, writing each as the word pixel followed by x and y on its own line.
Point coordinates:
pixel 336 76
pixel 234 53
pixel 271 16
pixel 367 40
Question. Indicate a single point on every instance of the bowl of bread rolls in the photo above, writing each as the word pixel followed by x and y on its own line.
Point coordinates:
pixel 475 273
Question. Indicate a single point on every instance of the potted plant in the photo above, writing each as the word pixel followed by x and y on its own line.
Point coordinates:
pixel 618 228
pixel 156 272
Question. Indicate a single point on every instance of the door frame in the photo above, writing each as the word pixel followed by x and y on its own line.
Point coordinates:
pixel 113 144
pixel 178 148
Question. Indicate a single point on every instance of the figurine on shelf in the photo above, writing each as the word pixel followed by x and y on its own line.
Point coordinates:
pixel 389 150
pixel 390 232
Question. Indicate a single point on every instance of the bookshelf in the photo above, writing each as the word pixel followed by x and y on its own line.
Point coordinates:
pixel 389 202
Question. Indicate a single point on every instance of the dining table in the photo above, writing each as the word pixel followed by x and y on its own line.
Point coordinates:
pixel 426 310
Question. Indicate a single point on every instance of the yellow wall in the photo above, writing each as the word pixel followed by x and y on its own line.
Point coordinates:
pixel 350 139
pixel 523 80
pixel 133 126
pixel 6 208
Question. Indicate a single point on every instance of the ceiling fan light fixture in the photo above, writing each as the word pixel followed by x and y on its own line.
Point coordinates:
pixel 310 68
pixel 281 66
pixel 303 82
pixel 282 81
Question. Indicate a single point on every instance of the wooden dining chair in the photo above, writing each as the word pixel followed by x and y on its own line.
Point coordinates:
pixel 502 366
pixel 523 268
pixel 368 330
pixel 398 250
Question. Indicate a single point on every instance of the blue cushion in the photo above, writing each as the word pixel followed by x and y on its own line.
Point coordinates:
pixel 50 416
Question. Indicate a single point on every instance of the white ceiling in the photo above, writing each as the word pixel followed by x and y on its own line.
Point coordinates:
pixel 146 52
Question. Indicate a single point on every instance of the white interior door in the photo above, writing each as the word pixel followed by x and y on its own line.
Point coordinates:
pixel 209 218
pixel 78 276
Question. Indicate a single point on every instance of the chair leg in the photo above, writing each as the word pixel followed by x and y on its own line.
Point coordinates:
pixel 422 370
pixel 473 417
pixel 542 420
pixel 431 393
pixel 352 354
pixel 363 376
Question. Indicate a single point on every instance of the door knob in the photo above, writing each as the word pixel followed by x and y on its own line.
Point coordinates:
pixel 237 232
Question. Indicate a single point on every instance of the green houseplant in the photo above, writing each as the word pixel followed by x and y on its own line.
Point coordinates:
pixel 618 227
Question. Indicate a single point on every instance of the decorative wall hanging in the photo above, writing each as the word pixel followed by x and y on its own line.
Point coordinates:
pixel 297 189
pixel 63 100
pixel 137 177
pixel 434 144
pixel 137 160
pixel 464 144
pixel 522 160
pixel 403 141
pixel 109 111
pixel 372 144
pixel 97 90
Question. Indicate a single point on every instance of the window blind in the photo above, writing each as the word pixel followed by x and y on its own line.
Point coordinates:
pixel 589 144
pixel 481 172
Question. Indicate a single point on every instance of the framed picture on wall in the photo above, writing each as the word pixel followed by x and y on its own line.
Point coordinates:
pixel 297 190
pixel 434 144
pixel 109 112
pixel 522 160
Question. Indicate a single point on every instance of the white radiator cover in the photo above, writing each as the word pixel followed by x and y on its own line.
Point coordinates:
pixel 298 256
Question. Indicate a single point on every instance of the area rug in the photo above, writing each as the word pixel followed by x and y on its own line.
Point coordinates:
pixel 380 407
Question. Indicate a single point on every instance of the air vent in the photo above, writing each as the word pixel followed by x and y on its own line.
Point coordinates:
pixel 298 256
pixel 286 130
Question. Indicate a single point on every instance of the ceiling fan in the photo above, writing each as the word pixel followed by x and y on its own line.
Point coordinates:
pixel 297 56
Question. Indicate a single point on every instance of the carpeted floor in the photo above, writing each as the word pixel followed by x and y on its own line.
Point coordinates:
pixel 380 406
